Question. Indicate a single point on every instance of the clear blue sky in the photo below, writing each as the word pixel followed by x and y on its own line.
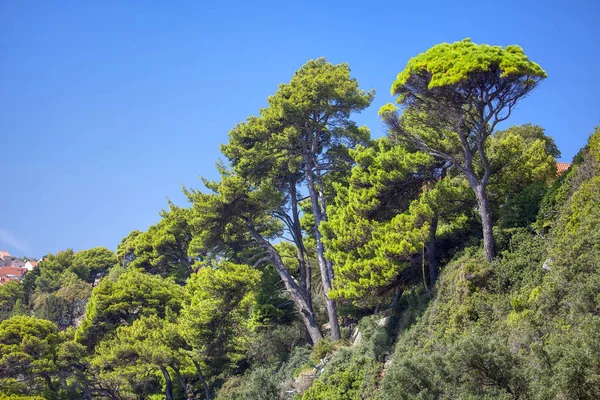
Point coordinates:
pixel 108 107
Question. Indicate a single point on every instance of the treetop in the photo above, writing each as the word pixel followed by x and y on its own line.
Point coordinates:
pixel 452 63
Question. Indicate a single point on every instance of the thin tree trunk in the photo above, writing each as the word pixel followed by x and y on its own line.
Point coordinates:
pixel 305 267
pixel 486 222
pixel 480 189
pixel 396 298
pixel 168 384
pixel 307 285
pixel 181 380
pixel 202 380
pixel 323 208
pixel 431 252
pixel 323 265
pixel 294 289
pixel 304 282
pixel 305 277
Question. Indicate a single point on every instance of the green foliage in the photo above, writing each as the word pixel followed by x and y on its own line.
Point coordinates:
pixel 204 299
pixel 521 210
pixel 321 350
pixel 302 140
pixel 370 233
pixel 517 330
pixel 59 287
pixel 163 249
pixel 10 293
pixel 454 96
pixel 134 294
pixel 65 306
pixel 215 312
pixel 273 344
pixel 453 64
pixel 260 384
pixel 272 307
pixel 92 262
pixel 28 349
pixel 135 351
pixel 348 376
pixel 522 160
pixel 221 219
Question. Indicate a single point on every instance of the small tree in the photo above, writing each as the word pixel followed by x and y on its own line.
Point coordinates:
pixel 454 96
pixel 28 355
pixel 215 315
pixel 133 295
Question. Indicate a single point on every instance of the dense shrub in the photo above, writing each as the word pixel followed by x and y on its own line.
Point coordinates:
pixel 349 375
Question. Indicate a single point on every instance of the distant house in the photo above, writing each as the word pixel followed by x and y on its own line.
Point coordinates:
pixel 17 263
pixel 561 167
pixel 31 265
pixel 13 273
pixel 5 258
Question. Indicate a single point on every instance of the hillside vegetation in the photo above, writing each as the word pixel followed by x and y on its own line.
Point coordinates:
pixel 445 260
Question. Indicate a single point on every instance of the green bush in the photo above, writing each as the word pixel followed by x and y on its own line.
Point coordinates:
pixel 259 384
pixel 349 375
pixel 321 349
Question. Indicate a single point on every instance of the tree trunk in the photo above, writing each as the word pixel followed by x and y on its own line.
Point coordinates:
pixel 305 283
pixel 486 222
pixel 49 382
pixel 305 267
pixel 324 266
pixel 202 380
pixel 323 208
pixel 480 189
pixel 168 384
pixel 294 289
pixel 431 252
pixel 182 382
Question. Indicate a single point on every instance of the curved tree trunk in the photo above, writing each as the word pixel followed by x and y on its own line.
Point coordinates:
pixel 324 265
pixel 168 384
pixel 301 255
pixel 182 381
pixel 202 380
pixel 294 289
pixel 305 267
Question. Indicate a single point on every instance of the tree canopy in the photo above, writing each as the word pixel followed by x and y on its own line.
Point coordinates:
pixel 454 96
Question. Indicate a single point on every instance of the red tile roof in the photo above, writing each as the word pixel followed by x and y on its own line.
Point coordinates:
pixel 562 167
pixel 4 279
pixel 4 253
pixel 16 271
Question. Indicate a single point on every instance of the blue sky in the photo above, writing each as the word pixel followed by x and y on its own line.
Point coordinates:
pixel 108 107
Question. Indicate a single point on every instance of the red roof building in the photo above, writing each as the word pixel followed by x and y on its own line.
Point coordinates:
pixel 561 167
pixel 13 273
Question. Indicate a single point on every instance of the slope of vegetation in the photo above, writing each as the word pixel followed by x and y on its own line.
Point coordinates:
pixel 445 260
